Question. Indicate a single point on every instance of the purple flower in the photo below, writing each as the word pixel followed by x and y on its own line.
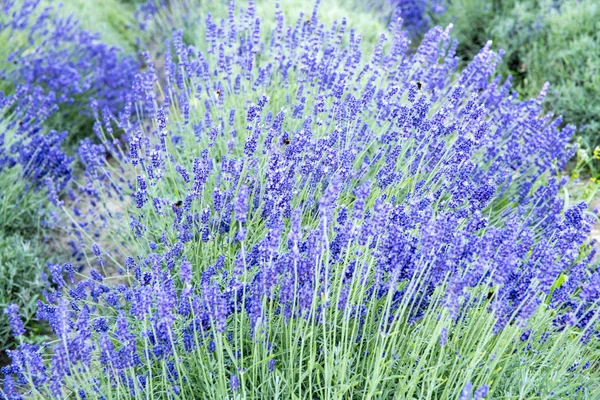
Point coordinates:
pixel 443 337
pixel 241 204
pixel 216 305
pixel 234 383
pixel 10 389
pixel 52 192
pixel 16 325
pixel 95 275
pixel 466 393
pixel 100 325
pixel 185 271
pixel 481 392
pixel 96 250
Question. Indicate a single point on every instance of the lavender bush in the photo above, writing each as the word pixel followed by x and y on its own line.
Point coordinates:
pixel 293 219
pixel 50 70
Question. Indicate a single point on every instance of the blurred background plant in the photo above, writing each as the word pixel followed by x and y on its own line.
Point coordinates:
pixel 159 19
pixel 113 20
pixel 417 15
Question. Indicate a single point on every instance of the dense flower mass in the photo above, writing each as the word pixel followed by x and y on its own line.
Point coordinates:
pixel 24 142
pixel 274 195
pixel 51 65
pixel 54 52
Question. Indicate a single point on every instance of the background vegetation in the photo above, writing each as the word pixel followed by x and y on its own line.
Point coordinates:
pixel 556 41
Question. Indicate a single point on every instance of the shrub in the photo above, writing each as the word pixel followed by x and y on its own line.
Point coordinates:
pixel 22 207
pixel 290 219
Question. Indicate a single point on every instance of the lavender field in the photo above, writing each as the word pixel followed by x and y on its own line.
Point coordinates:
pixel 386 199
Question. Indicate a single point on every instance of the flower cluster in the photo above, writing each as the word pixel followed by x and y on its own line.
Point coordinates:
pixel 300 183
